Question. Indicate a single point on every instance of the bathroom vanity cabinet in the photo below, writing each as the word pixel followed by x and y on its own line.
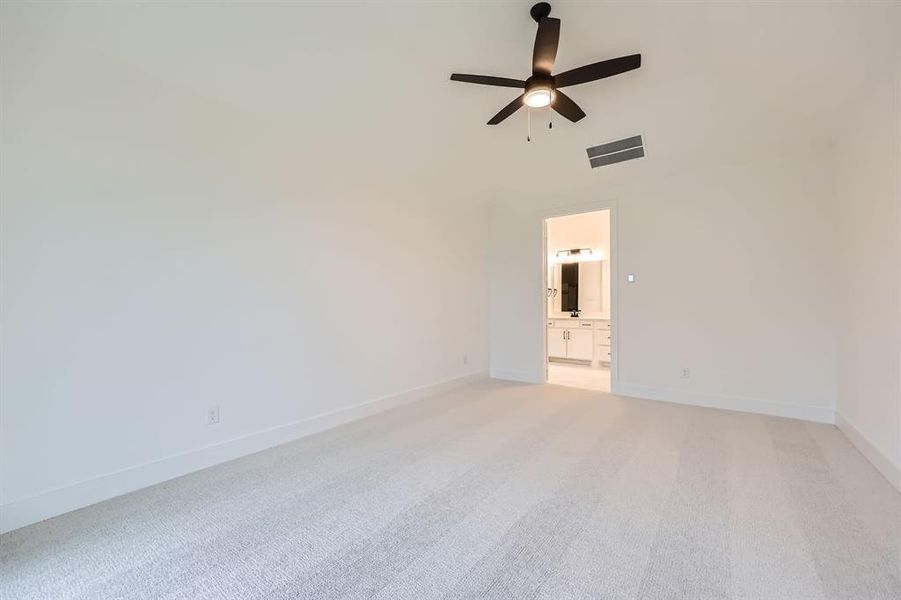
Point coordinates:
pixel 579 339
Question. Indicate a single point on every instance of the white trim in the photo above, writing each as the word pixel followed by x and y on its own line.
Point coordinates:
pixel 736 403
pixel 31 509
pixel 883 463
pixel 749 405
pixel 517 375
pixel 565 211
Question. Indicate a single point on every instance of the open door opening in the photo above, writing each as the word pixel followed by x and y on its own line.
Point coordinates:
pixel 578 315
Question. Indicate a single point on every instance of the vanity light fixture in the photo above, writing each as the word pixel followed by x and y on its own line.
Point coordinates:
pixel 578 255
pixel 573 252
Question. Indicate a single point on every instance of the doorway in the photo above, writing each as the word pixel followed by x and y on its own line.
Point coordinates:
pixel 579 308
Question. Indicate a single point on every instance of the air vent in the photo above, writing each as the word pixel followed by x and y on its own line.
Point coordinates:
pixel 618 151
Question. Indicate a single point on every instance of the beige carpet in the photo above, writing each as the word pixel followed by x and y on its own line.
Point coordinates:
pixel 495 491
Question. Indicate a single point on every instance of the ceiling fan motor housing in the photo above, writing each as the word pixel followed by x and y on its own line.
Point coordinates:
pixel 539 82
pixel 539 91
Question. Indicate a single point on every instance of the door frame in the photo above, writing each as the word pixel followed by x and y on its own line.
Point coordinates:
pixel 577 209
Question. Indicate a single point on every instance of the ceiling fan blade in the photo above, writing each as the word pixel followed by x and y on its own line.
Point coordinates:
pixel 598 70
pixel 488 80
pixel 564 105
pixel 546 41
pixel 507 111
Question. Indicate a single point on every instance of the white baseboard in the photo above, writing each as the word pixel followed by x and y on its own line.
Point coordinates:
pixel 883 463
pixel 750 405
pixel 31 509
pixel 516 375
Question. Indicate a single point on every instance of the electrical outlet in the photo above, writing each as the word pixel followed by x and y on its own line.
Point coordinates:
pixel 212 415
pixel 686 372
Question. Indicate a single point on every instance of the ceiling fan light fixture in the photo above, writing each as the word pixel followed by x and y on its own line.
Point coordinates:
pixel 539 97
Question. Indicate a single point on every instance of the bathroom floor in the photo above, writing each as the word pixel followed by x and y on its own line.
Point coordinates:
pixel 579 376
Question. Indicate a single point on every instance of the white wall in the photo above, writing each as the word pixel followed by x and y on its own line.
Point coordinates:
pixel 735 270
pixel 868 181
pixel 163 252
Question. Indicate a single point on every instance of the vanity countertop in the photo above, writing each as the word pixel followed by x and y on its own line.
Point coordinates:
pixel 582 317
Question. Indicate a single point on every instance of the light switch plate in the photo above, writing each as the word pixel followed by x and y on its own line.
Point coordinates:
pixel 630 278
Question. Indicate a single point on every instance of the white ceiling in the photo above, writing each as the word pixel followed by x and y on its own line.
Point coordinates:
pixel 369 82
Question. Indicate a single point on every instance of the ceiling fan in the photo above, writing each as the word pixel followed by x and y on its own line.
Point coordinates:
pixel 542 88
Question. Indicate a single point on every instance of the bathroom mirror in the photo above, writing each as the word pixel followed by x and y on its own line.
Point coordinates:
pixel 569 287
pixel 576 286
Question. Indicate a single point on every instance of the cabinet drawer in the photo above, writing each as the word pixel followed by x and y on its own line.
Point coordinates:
pixel 585 324
pixel 603 353
pixel 602 338
pixel 602 324
pixel 566 323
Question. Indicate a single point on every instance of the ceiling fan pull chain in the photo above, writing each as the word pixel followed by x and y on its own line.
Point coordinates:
pixel 529 126
pixel 550 117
